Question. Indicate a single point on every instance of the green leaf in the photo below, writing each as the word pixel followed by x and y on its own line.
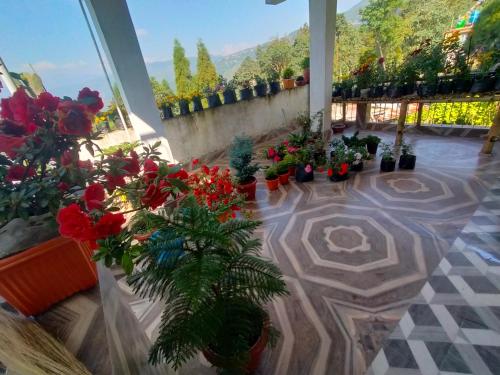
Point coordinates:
pixel 127 263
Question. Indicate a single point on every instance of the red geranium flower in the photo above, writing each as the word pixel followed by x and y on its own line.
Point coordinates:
pixel 132 165
pixel 154 196
pixel 109 225
pixel 74 119
pixel 47 101
pixel 271 152
pixel 91 99
pixel 150 170
pixel 62 186
pixel 195 162
pixel 74 223
pixel 94 196
pixel 18 172
pixel 10 144
pixel 112 181
pixel 344 168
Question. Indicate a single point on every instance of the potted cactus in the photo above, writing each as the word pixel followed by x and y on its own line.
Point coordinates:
pixel 288 81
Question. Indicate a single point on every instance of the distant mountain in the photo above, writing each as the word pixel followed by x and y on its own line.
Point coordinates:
pixel 352 15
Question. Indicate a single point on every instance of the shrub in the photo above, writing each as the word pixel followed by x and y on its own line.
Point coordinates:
pixel 287 73
pixel 305 63
pixel 241 156
pixel 282 167
pixel 372 139
pixel 387 152
pixel 271 173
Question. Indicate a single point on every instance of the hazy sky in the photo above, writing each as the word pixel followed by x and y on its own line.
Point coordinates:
pixel 52 35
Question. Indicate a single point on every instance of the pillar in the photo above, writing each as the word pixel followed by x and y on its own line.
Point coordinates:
pixel 322 14
pixel 403 110
pixel 6 78
pixel 116 32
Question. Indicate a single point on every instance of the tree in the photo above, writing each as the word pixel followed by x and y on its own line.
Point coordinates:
pixel 486 36
pixel 300 48
pixel 275 57
pixel 182 70
pixel 161 90
pixel 247 71
pixel 206 74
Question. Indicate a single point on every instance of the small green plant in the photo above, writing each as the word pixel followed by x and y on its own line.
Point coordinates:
pixel 304 63
pixel 387 152
pixel 304 156
pixel 259 80
pixel 358 154
pixel 353 141
pixel 282 167
pixel 241 156
pixel 406 149
pixel 290 160
pixel 271 172
pixel 273 76
pixel 126 147
pixel 371 139
pixel 287 73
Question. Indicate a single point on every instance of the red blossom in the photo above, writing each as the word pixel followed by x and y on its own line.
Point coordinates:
pixel 195 162
pixel 150 170
pixel 62 186
pixel 85 164
pixel 154 195
pixel 132 165
pixel 18 172
pixel 271 152
pixel 91 99
pixel 330 172
pixel 47 101
pixel 74 119
pixel 344 168
pixel 19 108
pixel 114 181
pixel 109 225
pixel 94 196
pixel 67 158
pixel 74 223
pixel 10 144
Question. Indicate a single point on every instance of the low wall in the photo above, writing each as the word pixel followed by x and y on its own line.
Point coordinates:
pixel 204 134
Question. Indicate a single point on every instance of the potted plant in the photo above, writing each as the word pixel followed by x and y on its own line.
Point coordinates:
pixel 304 171
pixel 371 142
pixel 338 169
pixel 356 156
pixel 260 86
pixel 300 81
pixel 379 77
pixel 388 162
pixel 166 110
pixel 346 87
pixel 197 103
pixel 288 82
pixel 305 69
pixel 246 92
pixel 483 82
pixel 282 170
pixel 274 83
pixel 364 78
pixel 272 179
pixel 229 93
pixel 353 141
pixel 241 156
pixel 217 288
pixel 407 159
pixel 39 170
pixel 291 162
pixel 184 106
pixel 212 96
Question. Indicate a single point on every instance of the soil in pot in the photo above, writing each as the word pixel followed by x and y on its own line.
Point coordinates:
pixel 284 178
pixel 387 165
pixel 261 90
pixel 167 112
pixel 246 93
pixel 229 96
pixel 301 175
pixel 274 87
pixel 335 177
pixel 214 100
pixel 197 104
pixel 357 167
pixel 184 107
pixel 407 161
pixel 248 189
pixel 273 184
pixel 288 83
pixel 372 148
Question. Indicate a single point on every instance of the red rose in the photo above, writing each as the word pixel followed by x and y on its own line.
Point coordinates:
pixel 195 162
pixel 18 172
pixel 74 223
pixel 205 169
pixel 132 165
pixel 109 225
pixel 94 196
pixel 19 107
pixel 85 164
pixel 112 182
pixel 5 111
pixel 9 144
pixel 47 101
pixel 154 196
pixel 74 118
pixel 67 158
pixel 91 99
pixel 150 170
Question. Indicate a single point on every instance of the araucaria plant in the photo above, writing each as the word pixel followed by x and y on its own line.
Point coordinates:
pixel 213 282
pixel 387 152
pixel 241 156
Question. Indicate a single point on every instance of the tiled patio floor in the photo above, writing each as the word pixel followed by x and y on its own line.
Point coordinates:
pixel 354 254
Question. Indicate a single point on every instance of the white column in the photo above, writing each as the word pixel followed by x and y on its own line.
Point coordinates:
pixel 322 14
pixel 118 38
pixel 6 78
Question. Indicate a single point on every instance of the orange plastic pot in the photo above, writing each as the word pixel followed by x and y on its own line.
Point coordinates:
pixel 273 184
pixel 43 275
pixel 248 189
pixel 283 178
pixel 288 83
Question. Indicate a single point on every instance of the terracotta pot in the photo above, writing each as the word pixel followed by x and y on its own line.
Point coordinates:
pixel 255 352
pixel 273 184
pixel 291 171
pixel 307 75
pixel 338 128
pixel 283 178
pixel 288 83
pixel 37 278
pixel 248 189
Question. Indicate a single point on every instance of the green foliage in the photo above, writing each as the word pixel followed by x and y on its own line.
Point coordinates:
pixel 206 74
pixel 282 167
pixel 182 70
pixel 353 141
pixel 486 37
pixel 161 91
pixel 126 147
pixel 271 172
pixel 305 63
pixel 34 82
pixel 290 160
pixel 406 148
pixel 212 281
pixel 248 70
pixel 387 151
pixel 275 56
pixel 372 139
pixel 287 73
pixel 241 156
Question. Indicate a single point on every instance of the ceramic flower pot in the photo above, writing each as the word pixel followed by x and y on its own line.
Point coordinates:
pixel 261 90
pixel 184 107
pixel 273 184
pixel 37 278
pixel 283 178
pixel 274 87
pixel 407 161
pixel 248 189
pixel 197 104
pixel 254 355
pixel 303 175
pixel 246 93
pixel 387 165
pixel 357 167
pixel 372 148
pixel 300 82
pixel 229 96
pixel 288 83
pixel 214 100
pixel 338 128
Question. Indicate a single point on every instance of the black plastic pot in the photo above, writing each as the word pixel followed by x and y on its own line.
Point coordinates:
pixel 426 90
pixel 394 91
pixel 364 93
pixel 214 100
pixel 184 107
pixel 347 93
pixel 246 93
pixel 387 165
pixel 336 92
pixel 407 161
pixel 337 178
pixel 461 85
pixel 261 89
pixel 167 112
pixel 301 175
pixel 197 105
pixel 274 87
pixel 357 167
pixel 497 83
pixel 377 92
pixel 356 93
pixel 372 148
pixel 229 96
pixel 408 89
pixel 483 84
pixel 445 87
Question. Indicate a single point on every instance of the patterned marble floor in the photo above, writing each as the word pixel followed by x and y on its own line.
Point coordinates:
pixel 355 254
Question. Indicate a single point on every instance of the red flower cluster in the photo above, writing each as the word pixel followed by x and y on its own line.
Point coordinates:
pixel 74 118
pixel 91 99
pixel 121 167
pixel 18 172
